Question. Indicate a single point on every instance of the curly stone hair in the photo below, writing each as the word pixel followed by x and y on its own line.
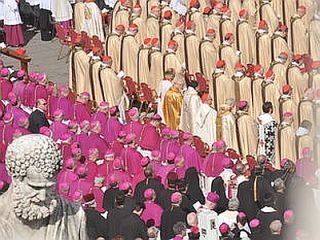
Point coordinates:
pixel 33 150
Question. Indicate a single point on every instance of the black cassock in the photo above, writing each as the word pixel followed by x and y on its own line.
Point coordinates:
pixel 217 186
pixel 96 225
pixel 266 218
pixel 245 197
pixel 109 198
pixel 129 203
pixel 115 216
pixel 145 184
pixel 186 204
pixel 251 193
pixel 168 219
pixel 165 198
pixel 133 227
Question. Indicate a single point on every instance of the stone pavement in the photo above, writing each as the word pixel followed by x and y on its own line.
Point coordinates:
pixel 44 59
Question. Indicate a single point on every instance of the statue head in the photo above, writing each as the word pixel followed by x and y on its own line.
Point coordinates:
pixel 33 162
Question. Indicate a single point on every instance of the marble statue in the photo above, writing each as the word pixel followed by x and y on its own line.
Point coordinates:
pixel 30 208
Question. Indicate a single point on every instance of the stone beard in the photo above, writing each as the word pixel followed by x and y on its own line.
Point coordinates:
pixel 31 207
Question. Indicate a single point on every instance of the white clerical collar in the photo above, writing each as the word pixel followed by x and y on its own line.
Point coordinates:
pixel 152 15
pixel 285 96
pixel 189 31
pixel 129 33
pixel 226 43
pixel 268 80
pixel 284 124
pixel 38 109
pixel 134 15
pixel 169 50
pixel 296 64
pixel 95 58
pixel 219 70
pixel 225 17
pixel 301 131
pixel 238 74
pixel 279 60
pixel 193 9
pixel 208 39
pixel 177 31
pixel 115 32
pixel 156 48
pixel 268 209
pixel 166 21
pixel 261 31
pixel 258 75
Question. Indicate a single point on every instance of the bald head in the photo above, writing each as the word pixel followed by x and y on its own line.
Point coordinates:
pixel 275 227
pixel 192 219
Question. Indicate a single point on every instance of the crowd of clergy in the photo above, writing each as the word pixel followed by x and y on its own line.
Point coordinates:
pixel 228 145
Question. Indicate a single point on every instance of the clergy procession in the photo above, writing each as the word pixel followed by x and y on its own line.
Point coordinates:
pixel 180 119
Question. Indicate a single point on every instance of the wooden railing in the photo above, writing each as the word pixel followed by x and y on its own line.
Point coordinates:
pixel 24 59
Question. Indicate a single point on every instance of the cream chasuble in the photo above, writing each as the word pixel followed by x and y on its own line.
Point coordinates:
pixel 122 17
pixel 143 66
pixel 287 141
pixel 79 16
pixel 156 68
pixel 129 56
pixel 192 53
pixel 179 38
pixel 263 50
pixel 213 22
pixel 279 45
pixel 247 130
pixel 267 13
pixel 316 81
pixel 297 81
pixel 286 104
pixel 205 127
pixel 208 57
pixel 141 35
pixel 223 88
pixel 165 37
pixel 113 88
pixel 242 89
pixel 153 27
pixel 97 83
pixel 303 142
pixel 246 42
pixel 81 69
pixel 252 8
pixel 93 21
pixel 190 107
pixel 229 130
pixel 315 39
pixel 257 96
pixel 113 46
pixel 299 36
pixel 228 54
pixel 198 19
pixel 305 112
